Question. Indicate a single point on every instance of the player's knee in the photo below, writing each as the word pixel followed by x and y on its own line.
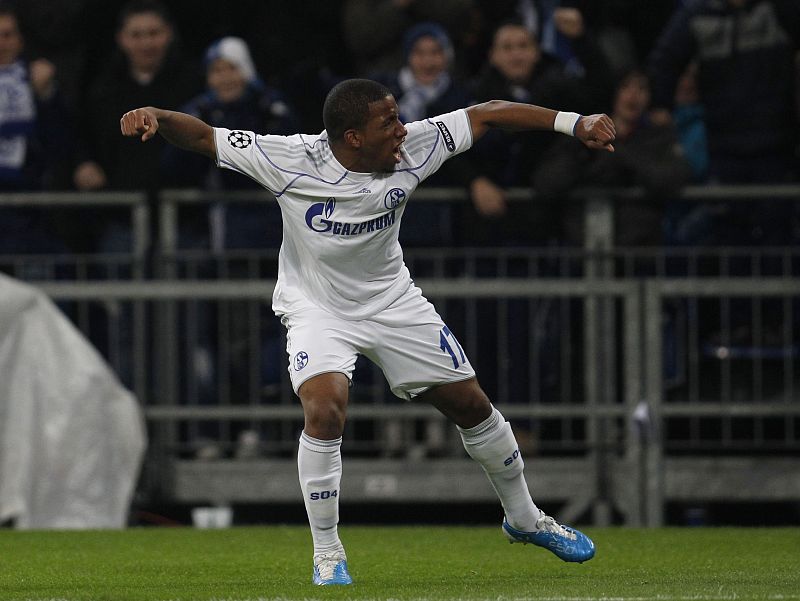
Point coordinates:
pixel 464 402
pixel 324 401
pixel 325 424
pixel 475 407
pixel 324 418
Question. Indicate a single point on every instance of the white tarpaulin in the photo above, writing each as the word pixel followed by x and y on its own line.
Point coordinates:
pixel 71 437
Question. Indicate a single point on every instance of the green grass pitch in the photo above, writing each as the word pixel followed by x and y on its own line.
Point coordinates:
pixel 398 563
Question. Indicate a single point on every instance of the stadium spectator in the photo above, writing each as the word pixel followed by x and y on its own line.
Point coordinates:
pixel 647 155
pixel 61 31
pixel 621 29
pixel 424 87
pixel 624 29
pixel 305 72
pixel 487 16
pixel 33 121
pixel 146 69
pixel 517 70
pixel 343 289
pixel 236 96
pixel 689 116
pixel 745 53
pixel 690 222
pixel 374 29
pixel 34 139
pixel 559 30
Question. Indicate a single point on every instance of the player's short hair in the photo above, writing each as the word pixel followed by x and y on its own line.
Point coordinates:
pixel 347 105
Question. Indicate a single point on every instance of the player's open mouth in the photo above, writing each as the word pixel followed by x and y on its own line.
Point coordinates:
pixel 397 153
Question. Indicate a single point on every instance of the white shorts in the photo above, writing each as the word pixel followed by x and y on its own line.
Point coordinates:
pixel 408 340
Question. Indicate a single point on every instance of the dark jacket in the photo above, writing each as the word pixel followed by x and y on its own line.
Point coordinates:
pixel 507 157
pixel 261 109
pixel 649 157
pixel 129 164
pixel 746 71
pixel 48 143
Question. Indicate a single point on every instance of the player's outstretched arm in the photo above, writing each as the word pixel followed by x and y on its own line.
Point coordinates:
pixel 596 131
pixel 180 129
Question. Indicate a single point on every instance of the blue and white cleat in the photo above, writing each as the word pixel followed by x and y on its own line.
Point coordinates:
pixel 567 543
pixel 331 568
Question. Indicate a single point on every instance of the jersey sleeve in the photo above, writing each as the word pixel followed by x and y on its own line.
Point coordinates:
pixel 238 151
pixel 431 142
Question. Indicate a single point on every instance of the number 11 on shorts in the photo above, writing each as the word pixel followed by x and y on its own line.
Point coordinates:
pixel 444 334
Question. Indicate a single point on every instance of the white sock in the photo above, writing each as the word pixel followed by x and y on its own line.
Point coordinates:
pixel 492 444
pixel 319 465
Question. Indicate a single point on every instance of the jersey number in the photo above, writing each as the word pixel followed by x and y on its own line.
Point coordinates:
pixel 445 346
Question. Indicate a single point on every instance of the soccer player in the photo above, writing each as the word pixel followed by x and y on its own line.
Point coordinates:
pixel 343 289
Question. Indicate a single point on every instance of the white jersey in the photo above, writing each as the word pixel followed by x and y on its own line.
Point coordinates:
pixel 340 248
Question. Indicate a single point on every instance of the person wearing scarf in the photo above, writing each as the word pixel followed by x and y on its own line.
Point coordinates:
pixel 31 124
pixel 423 86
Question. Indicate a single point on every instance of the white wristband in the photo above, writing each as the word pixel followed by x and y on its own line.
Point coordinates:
pixel 566 122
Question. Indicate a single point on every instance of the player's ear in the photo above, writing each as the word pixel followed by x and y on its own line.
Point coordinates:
pixel 352 138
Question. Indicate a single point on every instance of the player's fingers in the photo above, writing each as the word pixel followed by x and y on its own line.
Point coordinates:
pixel 600 145
pixel 126 124
pixel 605 137
pixel 603 133
pixel 142 122
pixel 138 123
pixel 604 125
pixel 598 128
pixel 148 134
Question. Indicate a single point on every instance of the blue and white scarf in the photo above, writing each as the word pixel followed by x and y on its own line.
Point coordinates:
pixel 17 118
pixel 416 97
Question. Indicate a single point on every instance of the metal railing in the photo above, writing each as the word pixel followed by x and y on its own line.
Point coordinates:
pixel 633 376
pixel 130 262
pixel 768 413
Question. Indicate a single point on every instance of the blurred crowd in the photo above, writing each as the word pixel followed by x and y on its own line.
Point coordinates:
pixel 701 91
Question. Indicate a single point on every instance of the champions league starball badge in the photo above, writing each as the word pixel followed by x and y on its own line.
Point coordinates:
pixel 239 139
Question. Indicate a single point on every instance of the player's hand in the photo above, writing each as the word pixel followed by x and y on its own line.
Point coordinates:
pixel 139 122
pixel 596 131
